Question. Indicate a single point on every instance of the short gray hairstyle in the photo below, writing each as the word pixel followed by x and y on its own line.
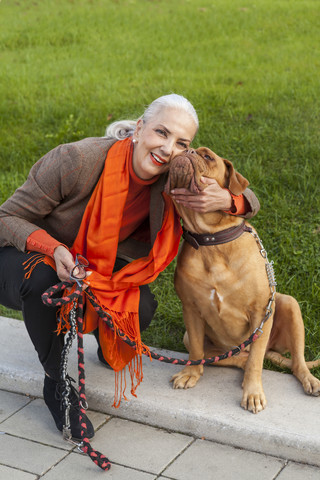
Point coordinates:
pixel 126 128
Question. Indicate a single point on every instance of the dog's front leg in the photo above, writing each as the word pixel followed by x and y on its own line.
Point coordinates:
pixel 194 342
pixel 253 397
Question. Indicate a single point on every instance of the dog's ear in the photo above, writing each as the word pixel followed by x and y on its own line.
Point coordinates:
pixel 236 183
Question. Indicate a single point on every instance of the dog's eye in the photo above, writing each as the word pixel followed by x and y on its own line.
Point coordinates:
pixel 207 157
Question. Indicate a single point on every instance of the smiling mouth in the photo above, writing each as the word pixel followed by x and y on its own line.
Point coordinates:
pixel 157 160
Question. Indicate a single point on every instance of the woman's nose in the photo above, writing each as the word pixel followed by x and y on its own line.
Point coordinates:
pixel 168 147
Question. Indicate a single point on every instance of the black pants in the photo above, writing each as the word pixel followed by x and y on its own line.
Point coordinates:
pixel 23 294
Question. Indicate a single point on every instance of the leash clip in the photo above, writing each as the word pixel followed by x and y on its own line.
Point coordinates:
pixel 258 329
pixel 79 445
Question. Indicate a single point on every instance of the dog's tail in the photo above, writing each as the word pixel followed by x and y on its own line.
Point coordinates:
pixel 281 361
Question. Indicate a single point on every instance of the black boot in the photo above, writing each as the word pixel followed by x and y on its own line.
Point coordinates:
pixel 52 398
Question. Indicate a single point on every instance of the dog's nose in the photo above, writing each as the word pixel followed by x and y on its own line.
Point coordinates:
pixel 192 151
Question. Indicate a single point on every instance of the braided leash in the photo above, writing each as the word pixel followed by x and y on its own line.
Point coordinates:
pixel 175 361
pixel 97 457
pixel 76 319
pixel 77 295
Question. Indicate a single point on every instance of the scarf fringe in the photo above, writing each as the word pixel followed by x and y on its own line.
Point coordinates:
pixel 31 263
pixel 136 376
pixel 135 369
pixel 126 322
pixel 63 323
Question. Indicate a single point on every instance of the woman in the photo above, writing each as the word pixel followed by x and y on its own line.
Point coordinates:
pixel 102 198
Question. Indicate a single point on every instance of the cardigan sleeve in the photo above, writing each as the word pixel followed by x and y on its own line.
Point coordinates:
pixel 55 194
pixel 253 205
pixel 50 180
pixel 245 205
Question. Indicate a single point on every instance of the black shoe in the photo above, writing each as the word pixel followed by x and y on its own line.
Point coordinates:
pixel 52 398
pixel 102 359
pixel 99 351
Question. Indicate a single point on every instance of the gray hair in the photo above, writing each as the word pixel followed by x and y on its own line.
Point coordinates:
pixel 126 128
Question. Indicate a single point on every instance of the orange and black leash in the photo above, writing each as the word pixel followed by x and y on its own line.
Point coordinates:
pixel 50 298
pixel 76 329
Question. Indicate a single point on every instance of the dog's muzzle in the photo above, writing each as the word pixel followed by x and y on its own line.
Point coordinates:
pixel 182 174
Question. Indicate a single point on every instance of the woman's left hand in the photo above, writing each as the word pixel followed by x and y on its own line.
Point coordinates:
pixel 211 199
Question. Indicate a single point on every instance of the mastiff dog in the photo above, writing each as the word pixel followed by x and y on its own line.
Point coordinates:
pixel 227 289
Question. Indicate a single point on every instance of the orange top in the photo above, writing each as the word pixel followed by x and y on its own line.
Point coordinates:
pixel 40 241
pixel 239 206
pixel 136 208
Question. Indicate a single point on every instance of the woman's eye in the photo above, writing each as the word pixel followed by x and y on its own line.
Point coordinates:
pixel 183 145
pixel 161 132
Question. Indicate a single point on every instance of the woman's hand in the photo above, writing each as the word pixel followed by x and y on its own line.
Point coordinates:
pixel 64 263
pixel 211 199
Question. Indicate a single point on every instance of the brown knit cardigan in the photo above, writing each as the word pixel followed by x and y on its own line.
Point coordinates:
pixel 58 189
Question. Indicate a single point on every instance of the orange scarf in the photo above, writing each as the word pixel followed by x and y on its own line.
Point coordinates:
pixel 118 293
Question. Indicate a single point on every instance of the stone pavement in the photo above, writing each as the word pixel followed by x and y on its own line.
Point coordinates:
pixel 200 433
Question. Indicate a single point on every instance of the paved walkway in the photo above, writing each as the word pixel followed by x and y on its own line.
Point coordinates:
pixel 200 433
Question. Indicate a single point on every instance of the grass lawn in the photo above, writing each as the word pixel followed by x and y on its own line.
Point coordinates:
pixel 250 68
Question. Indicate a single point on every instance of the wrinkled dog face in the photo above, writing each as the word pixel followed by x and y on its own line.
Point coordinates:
pixel 186 169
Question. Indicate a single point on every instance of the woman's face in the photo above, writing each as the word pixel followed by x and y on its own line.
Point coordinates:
pixel 161 139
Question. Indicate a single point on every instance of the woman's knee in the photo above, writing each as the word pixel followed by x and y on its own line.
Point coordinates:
pixel 42 278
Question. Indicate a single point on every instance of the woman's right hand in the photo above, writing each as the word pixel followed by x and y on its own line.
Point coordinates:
pixel 64 263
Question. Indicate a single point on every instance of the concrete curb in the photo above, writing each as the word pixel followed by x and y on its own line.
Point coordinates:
pixel 288 428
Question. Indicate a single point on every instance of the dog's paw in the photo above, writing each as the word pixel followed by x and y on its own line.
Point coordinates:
pixel 187 378
pixel 311 385
pixel 254 400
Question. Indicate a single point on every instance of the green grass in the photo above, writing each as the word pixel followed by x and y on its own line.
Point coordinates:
pixel 250 68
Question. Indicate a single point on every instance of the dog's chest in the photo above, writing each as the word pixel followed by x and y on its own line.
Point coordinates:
pixel 221 281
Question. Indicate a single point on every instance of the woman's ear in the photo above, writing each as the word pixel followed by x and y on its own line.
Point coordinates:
pixel 138 129
pixel 236 183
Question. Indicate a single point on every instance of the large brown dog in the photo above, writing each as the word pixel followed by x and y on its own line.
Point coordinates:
pixel 224 290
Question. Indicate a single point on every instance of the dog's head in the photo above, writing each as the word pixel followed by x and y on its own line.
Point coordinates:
pixel 187 169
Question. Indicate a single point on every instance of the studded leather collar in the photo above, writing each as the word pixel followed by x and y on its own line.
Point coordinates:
pixel 206 239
